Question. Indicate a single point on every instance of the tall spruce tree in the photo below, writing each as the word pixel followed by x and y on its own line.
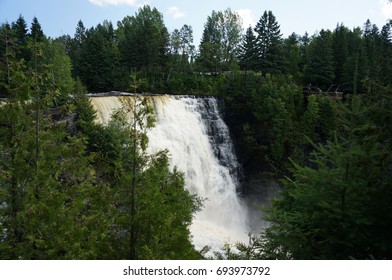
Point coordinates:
pixel 340 51
pixel 371 37
pixel 99 58
pixel 20 33
pixel 36 31
pixel 319 67
pixel 292 56
pixel 386 49
pixel 248 55
pixel 269 44
pixel 356 65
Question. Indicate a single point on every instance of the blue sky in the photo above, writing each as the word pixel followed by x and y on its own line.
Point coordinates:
pixel 59 17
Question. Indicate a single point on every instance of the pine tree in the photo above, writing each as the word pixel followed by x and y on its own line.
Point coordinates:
pixel 80 34
pixel 99 59
pixel 371 37
pixel 144 39
pixel 386 49
pixel 319 67
pixel 20 30
pixel 248 51
pixel 293 58
pixel 355 67
pixel 340 51
pixel 269 44
pixel 20 33
pixel 36 31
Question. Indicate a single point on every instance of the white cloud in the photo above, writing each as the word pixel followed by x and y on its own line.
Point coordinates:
pixel 103 3
pixel 386 8
pixel 247 18
pixel 175 12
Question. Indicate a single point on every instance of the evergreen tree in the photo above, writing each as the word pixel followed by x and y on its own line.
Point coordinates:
pixel 275 104
pixel 355 67
pixel 143 42
pixel 248 51
pixel 386 49
pixel 99 58
pixel 319 68
pixel 141 184
pixel 371 37
pixel 75 49
pixel 340 51
pixel 304 44
pixel 293 59
pixel 20 33
pixel 36 31
pixel 175 42
pixel 5 40
pixel 144 39
pixel 269 44
pixel 80 34
pixel 20 30
pixel 186 40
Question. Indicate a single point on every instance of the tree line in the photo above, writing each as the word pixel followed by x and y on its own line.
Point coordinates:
pixel 71 188
pixel 104 56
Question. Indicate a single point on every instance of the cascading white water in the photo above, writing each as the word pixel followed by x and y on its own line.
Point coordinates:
pixel 199 145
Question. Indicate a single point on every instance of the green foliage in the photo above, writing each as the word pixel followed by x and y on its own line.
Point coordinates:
pixel 97 66
pixel 49 199
pixel 143 42
pixel 59 68
pixel 269 44
pixel 292 51
pixel 164 234
pixel 319 68
pixel 36 31
pixel 248 51
pixel 182 50
pixel 73 189
pixel 332 210
pixel 276 103
pixel 220 42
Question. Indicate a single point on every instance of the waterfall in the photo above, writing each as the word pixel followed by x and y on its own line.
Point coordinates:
pixel 199 145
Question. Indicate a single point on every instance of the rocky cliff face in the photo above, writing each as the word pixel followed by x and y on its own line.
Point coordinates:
pixel 258 185
pixel 248 135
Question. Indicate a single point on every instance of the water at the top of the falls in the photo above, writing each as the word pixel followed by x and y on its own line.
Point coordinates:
pixel 199 145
